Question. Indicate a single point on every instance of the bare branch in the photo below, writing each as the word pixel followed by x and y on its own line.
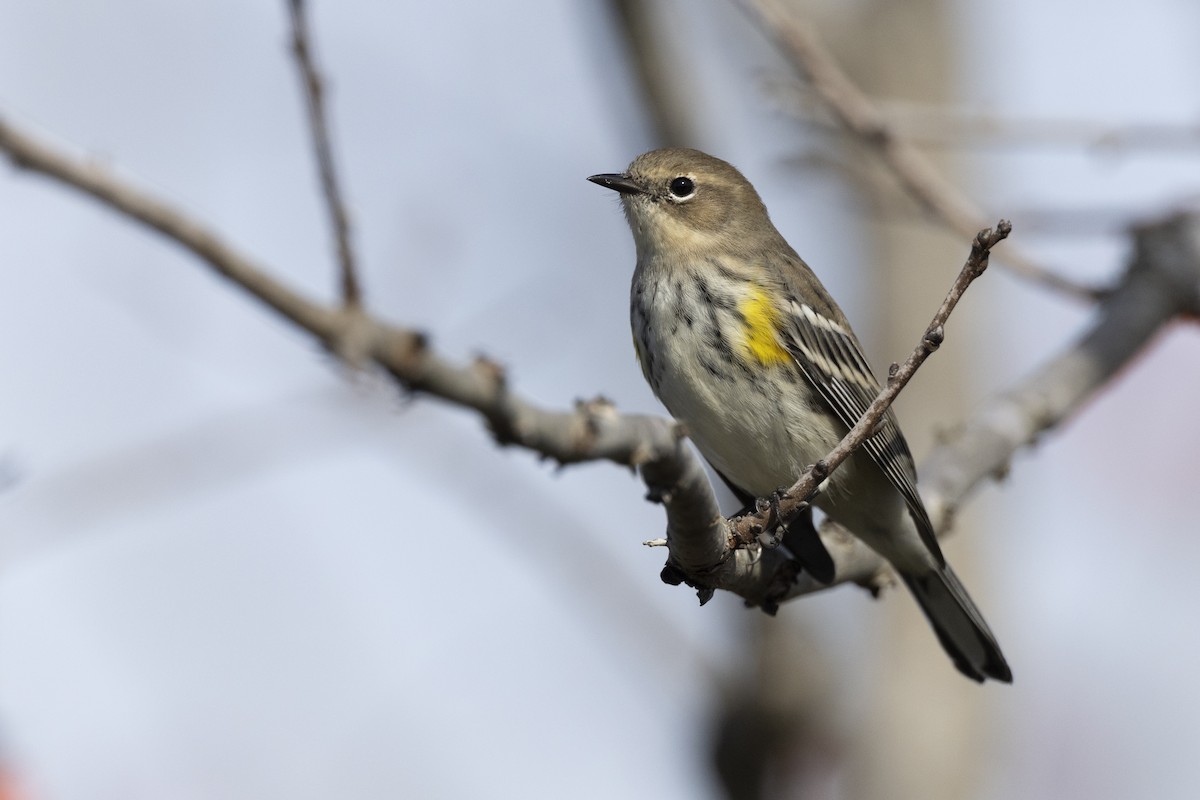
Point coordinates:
pixel 28 152
pixel 856 113
pixel 1163 282
pixel 592 431
pixel 314 94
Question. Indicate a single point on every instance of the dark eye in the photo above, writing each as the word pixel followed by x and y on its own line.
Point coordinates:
pixel 683 187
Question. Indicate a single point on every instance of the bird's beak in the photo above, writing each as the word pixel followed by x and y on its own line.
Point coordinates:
pixel 618 183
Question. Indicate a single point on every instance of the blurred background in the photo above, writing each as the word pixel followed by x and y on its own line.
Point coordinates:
pixel 228 568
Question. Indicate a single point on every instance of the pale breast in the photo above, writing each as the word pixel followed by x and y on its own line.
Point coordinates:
pixel 752 419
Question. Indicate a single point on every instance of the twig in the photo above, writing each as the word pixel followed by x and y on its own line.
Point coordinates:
pixel 745 528
pixel 314 94
pixel 856 113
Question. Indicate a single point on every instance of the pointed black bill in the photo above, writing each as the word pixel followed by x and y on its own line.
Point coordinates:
pixel 618 183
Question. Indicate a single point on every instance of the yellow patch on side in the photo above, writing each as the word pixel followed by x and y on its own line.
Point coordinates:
pixel 762 341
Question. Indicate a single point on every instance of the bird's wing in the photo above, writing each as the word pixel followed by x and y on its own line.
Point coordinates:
pixel 830 358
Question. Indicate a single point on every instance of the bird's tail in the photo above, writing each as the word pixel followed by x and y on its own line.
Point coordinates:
pixel 959 626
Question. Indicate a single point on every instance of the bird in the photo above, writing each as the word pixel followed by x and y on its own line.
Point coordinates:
pixel 740 341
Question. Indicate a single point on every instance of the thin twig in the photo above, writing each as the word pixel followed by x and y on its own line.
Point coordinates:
pixel 314 94
pixel 856 113
pixel 747 527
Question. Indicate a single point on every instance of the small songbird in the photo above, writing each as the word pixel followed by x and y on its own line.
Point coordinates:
pixel 741 343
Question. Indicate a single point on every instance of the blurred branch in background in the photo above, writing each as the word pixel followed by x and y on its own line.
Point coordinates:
pixel 857 114
pixel 778 730
pixel 943 126
pixel 665 97
pixel 968 129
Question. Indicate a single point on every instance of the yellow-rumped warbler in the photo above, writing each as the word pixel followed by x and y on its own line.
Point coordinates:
pixel 742 343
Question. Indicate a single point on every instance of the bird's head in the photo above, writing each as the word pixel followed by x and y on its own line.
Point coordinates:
pixel 683 202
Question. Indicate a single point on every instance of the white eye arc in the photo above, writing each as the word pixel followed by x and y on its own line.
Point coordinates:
pixel 681 188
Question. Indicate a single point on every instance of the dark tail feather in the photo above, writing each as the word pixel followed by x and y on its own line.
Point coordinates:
pixel 959 626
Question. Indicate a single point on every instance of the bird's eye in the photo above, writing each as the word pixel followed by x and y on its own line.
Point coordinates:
pixel 682 187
